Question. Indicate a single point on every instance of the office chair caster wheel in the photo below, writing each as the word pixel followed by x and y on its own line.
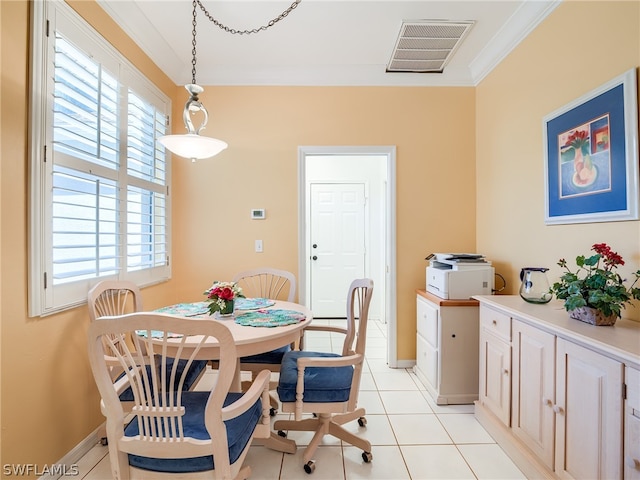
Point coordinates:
pixel 362 421
pixel 272 412
pixel 310 466
pixel 367 457
pixel 282 434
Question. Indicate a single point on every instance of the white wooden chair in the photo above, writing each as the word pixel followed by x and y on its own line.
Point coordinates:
pixel 267 283
pixel 113 297
pixel 118 297
pixel 174 431
pixel 327 384
pixel 274 284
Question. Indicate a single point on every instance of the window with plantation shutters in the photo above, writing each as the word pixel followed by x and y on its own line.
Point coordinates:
pixel 99 183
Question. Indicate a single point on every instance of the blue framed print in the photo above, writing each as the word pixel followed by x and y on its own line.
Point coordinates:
pixel 591 156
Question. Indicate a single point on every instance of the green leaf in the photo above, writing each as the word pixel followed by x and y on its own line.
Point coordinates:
pixel 592 260
pixel 574 301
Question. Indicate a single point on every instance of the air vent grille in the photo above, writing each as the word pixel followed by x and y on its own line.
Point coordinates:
pixel 426 46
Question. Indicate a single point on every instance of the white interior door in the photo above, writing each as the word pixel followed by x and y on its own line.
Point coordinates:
pixel 337 244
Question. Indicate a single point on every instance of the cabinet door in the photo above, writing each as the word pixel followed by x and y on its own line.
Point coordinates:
pixel 632 425
pixel 533 389
pixel 495 375
pixel 588 413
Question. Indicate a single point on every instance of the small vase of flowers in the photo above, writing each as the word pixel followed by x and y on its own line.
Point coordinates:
pixel 595 293
pixel 222 297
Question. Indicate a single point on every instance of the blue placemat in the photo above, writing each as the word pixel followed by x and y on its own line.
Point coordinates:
pixel 195 309
pixel 253 303
pixel 157 334
pixel 269 318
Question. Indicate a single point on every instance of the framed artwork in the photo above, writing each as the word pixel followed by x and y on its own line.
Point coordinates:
pixel 591 156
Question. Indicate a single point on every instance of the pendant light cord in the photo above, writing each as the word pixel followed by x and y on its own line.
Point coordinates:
pixel 227 29
pixel 247 31
pixel 194 23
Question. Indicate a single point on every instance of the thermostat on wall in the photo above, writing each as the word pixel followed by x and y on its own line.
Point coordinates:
pixel 258 214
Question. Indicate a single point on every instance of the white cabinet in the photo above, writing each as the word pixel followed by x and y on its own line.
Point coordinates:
pixel 495 363
pixel 632 425
pixel 447 348
pixel 569 417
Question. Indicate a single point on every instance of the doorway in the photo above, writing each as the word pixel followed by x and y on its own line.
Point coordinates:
pixel 338 175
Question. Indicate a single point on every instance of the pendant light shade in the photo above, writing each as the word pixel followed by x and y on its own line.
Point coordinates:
pixel 193 145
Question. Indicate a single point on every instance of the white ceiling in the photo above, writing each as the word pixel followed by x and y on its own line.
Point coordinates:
pixel 321 42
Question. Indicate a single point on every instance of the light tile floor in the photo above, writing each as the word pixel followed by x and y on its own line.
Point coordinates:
pixel 412 437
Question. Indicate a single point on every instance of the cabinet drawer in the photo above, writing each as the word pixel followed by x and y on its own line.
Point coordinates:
pixel 496 322
pixel 427 361
pixel 427 321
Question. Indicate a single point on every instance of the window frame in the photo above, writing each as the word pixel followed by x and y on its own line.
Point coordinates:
pixel 47 17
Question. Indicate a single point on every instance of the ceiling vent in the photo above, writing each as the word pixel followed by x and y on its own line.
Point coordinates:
pixel 426 46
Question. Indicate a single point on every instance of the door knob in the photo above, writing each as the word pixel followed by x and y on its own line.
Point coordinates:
pixel 632 462
pixel 315 245
pixel 314 258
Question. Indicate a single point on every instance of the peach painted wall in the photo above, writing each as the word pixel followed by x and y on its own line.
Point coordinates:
pixel 579 47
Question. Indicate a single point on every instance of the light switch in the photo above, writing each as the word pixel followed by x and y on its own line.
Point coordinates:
pixel 258 214
pixel 258 246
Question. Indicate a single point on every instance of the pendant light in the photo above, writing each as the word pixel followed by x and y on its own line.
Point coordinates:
pixel 191 144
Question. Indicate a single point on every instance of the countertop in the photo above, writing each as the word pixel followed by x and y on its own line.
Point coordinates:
pixel 447 303
pixel 621 341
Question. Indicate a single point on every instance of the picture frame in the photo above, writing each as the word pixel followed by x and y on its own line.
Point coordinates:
pixel 591 156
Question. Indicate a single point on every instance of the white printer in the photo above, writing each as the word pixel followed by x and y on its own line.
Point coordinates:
pixel 459 275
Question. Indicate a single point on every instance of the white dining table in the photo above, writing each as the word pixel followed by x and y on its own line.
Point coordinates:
pixel 249 340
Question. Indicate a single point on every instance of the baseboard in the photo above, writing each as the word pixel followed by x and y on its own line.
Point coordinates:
pixel 79 451
pixel 405 364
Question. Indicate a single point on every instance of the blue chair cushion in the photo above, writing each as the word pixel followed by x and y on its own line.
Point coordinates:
pixel 274 357
pixel 197 367
pixel 321 384
pixel 239 432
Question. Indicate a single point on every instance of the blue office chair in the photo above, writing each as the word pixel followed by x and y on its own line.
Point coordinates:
pixel 330 382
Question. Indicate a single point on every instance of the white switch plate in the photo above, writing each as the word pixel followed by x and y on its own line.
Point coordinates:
pixel 258 246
